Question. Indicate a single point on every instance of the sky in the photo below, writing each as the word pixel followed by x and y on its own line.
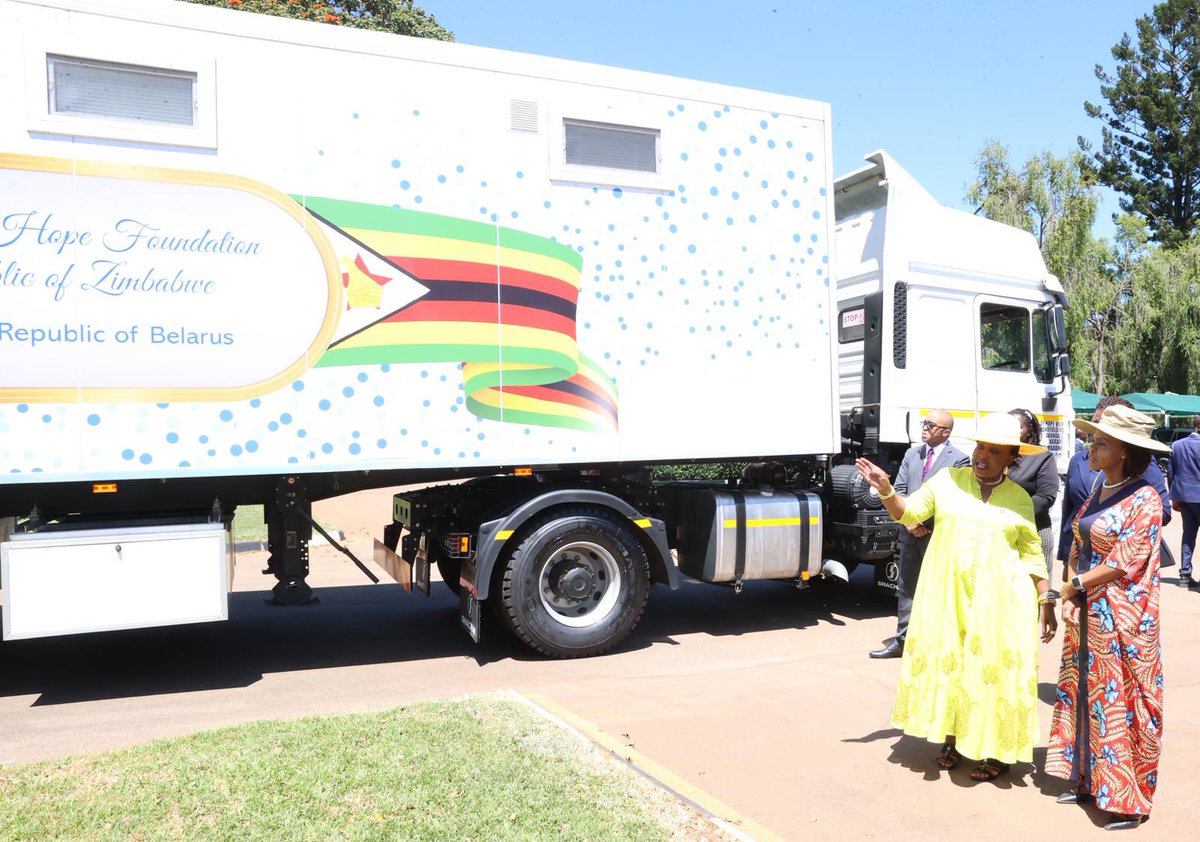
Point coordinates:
pixel 930 82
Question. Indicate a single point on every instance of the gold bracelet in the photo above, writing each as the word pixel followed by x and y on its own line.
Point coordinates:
pixel 888 496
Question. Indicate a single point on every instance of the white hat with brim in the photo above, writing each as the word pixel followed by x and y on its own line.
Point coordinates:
pixel 1126 425
pixel 1003 429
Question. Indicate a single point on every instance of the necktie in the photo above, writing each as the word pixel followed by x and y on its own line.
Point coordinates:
pixel 928 463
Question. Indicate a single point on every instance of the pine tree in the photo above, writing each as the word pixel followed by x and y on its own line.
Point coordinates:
pixel 1150 140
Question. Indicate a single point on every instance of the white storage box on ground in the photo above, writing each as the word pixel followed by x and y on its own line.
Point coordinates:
pixel 103 579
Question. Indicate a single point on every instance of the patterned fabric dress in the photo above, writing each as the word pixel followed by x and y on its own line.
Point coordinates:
pixel 1115 756
pixel 971 654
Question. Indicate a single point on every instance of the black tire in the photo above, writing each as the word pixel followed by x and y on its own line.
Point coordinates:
pixel 575 585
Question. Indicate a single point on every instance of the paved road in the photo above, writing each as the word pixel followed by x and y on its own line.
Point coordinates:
pixel 766 699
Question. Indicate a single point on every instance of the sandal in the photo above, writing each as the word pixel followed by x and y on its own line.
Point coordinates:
pixel 1077 795
pixel 949 757
pixel 988 770
pixel 1120 821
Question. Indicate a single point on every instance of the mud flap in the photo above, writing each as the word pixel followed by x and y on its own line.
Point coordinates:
pixel 420 567
pixel 887 574
pixel 468 603
pixel 394 565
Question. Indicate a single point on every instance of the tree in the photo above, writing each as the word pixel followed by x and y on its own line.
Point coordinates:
pixel 1099 299
pixel 1156 345
pixel 1150 139
pixel 1052 198
pixel 402 17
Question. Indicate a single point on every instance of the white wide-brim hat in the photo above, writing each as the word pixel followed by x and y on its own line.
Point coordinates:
pixel 1004 429
pixel 1126 425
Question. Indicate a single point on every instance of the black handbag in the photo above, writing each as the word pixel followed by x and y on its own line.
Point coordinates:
pixel 1166 558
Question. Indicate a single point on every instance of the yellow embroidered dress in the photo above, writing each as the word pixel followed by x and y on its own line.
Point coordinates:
pixel 970 660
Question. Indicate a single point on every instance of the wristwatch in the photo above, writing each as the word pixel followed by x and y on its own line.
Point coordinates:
pixel 1077 583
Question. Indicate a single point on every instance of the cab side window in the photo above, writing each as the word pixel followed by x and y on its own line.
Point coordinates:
pixel 1003 337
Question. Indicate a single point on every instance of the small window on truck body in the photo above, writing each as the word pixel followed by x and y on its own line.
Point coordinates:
pixel 1003 337
pixel 613 147
pixel 608 154
pixel 82 87
pixel 156 93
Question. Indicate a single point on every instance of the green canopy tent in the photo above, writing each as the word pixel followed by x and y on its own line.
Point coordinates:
pixel 1083 402
pixel 1169 404
pixel 1174 412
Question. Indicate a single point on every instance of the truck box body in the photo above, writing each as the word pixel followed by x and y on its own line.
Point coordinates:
pixel 361 251
pixel 252 260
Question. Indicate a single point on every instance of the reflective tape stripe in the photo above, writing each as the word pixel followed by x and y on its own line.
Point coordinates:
pixel 970 413
pixel 642 522
pixel 504 534
pixel 771 521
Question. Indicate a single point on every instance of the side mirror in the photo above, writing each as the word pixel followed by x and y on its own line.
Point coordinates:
pixel 1058 329
pixel 1062 365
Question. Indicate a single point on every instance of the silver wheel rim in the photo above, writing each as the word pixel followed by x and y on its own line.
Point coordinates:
pixel 601 598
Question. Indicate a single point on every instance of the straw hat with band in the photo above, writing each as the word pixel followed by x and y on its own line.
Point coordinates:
pixel 1126 425
pixel 1003 429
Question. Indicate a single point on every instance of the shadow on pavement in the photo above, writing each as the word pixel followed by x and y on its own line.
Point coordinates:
pixel 920 756
pixel 368 624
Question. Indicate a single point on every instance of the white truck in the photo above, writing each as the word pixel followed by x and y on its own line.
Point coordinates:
pixel 248 260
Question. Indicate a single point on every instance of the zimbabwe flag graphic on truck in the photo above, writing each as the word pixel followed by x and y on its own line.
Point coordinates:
pixel 146 299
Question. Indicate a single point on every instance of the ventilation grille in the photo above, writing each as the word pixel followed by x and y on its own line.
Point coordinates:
pixel 88 88
pixel 900 325
pixel 523 116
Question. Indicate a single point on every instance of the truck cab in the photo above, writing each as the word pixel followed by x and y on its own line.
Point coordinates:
pixel 937 309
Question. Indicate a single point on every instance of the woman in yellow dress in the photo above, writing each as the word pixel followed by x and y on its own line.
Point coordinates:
pixel 969 674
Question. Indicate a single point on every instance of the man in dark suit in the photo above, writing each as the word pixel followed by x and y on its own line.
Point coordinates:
pixel 1184 472
pixel 920 463
pixel 1080 480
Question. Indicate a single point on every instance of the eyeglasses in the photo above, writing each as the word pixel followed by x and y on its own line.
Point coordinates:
pixel 929 425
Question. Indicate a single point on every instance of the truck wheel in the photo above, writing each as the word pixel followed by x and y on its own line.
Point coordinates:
pixel 575 585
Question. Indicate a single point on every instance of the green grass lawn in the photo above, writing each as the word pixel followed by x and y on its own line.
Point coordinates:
pixel 480 768
pixel 248 525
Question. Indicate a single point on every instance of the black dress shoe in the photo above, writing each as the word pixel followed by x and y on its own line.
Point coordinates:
pixel 1073 797
pixel 893 650
pixel 1186 582
pixel 1126 824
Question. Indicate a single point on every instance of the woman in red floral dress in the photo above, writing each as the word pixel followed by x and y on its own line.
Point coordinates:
pixel 1106 734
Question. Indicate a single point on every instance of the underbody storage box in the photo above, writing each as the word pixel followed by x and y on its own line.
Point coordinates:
pixel 728 535
pixel 76 581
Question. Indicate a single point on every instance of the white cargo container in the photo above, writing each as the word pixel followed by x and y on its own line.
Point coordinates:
pixel 255 260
